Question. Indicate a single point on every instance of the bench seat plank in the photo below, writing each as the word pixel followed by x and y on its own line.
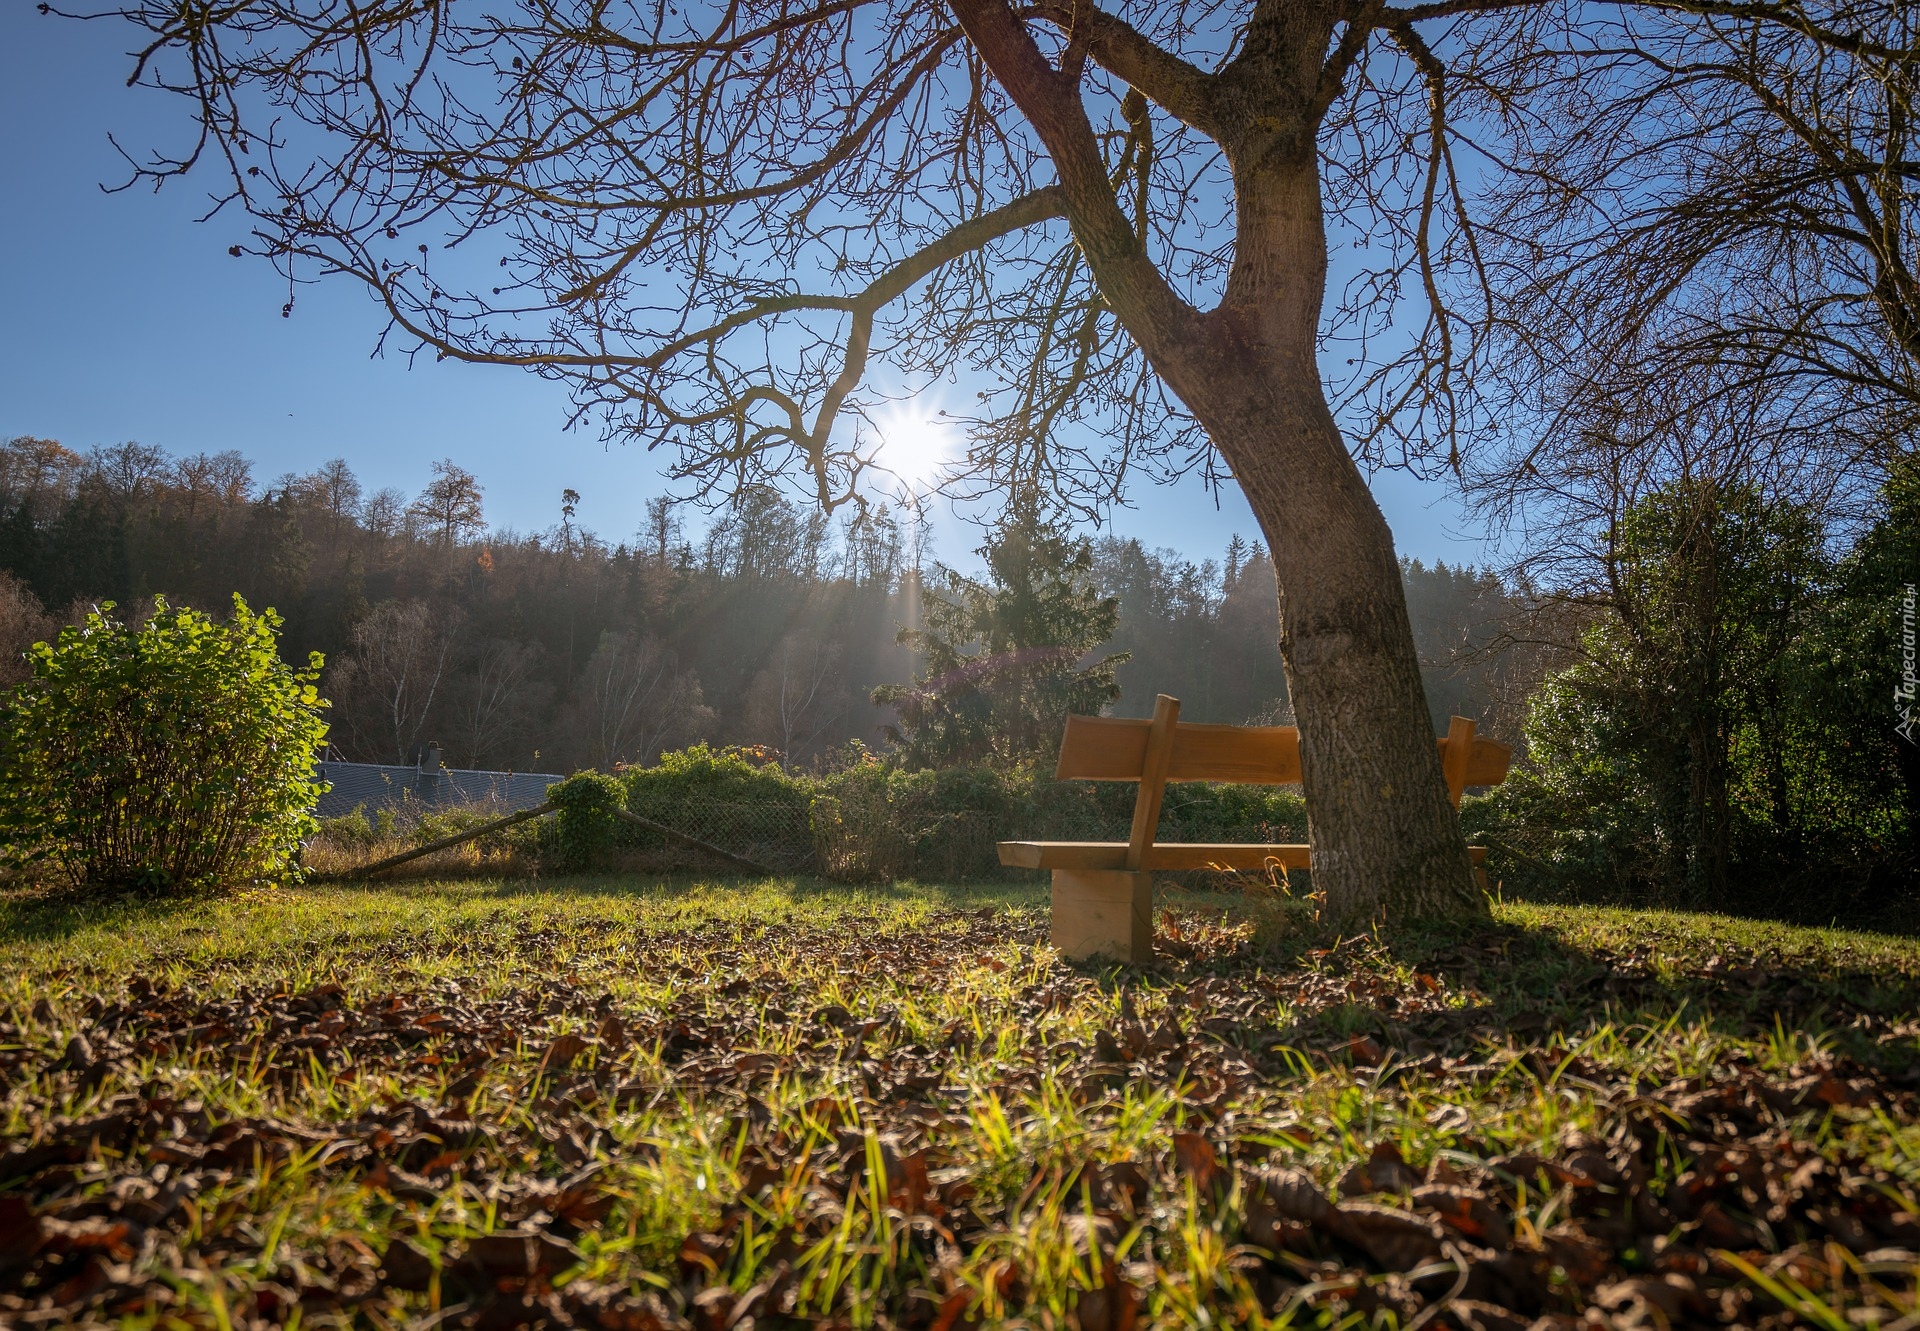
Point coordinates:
pixel 1162 855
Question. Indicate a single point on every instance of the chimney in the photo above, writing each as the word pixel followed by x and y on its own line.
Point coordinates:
pixel 430 759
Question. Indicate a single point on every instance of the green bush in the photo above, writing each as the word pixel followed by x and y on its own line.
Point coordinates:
pixel 869 820
pixel 876 822
pixel 586 829
pixel 1723 740
pixel 178 752
pixel 349 829
pixel 736 798
pixel 455 819
pixel 729 775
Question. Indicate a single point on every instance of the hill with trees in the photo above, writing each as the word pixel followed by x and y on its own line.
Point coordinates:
pixel 766 625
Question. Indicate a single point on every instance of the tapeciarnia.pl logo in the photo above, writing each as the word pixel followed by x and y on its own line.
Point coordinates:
pixel 1904 691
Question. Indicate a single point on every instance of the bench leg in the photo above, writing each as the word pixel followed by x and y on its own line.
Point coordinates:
pixel 1103 913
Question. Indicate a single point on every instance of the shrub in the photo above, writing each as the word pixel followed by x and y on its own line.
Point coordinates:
pixel 729 776
pixel 349 829
pixel 181 751
pixel 586 828
pixel 455 819
pixel 875 821
pixel 869 820
pixel 736 798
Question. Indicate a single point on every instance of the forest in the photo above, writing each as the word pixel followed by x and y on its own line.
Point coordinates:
pixel 563 649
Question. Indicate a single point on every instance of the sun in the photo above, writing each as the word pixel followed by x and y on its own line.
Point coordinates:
pixel 917 444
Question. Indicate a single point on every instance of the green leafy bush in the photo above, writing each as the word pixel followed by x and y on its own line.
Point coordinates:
pixel 586 829
pixel 727 775
pixel 1723 740
pixel 349 829
pixel 736 798
pixel 868 820
pixel 875 821
pixel 177 752
pixel 455 819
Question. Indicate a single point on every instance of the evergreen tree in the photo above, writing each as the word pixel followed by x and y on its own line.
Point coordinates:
pixel 1720 728
pixel 1004 661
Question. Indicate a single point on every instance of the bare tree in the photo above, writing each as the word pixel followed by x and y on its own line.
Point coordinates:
pixel 632 701
pixel 1733 191
pixel 38 471
pixel 199 478
pixel 451 504
pixel 1126 216
pixel 798 697
pixel 230 476
pixel 387 687
pixel 495 700
pixel 129 470
pixel 335 491
pixel 1706 257
pixel 662 532
pixel 23 622
pixel 384 513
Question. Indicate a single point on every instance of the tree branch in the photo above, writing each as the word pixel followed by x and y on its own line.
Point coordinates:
pixel 1132 284
pixel 1177 87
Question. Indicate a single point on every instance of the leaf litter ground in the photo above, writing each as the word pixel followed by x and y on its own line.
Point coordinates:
pixel 688 1105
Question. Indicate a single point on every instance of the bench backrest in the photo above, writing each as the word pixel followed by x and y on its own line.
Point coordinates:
pixel 1154 752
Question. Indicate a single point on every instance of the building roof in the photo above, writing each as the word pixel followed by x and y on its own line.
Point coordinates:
pixel 376 786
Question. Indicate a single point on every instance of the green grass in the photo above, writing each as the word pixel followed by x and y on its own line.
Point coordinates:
pixel 871 1106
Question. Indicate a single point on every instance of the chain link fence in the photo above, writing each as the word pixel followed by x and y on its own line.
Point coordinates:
pixel 861 833
pixel 779 836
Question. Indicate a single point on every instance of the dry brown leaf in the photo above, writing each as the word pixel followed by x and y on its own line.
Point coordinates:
pixel 1395 1240
pixel 564 1052
pixel 1195 1157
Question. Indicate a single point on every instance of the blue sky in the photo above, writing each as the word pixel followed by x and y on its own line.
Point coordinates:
pixel 126 319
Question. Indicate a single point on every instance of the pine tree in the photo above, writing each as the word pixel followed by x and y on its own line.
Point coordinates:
pixel 1006 660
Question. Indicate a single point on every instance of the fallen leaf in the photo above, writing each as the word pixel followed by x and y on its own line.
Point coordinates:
pixel 1196 1158
pixel 565 1051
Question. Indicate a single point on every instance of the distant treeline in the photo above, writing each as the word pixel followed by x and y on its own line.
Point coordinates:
pixel 558 650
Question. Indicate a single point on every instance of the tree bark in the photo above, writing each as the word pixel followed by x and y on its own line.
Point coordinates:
pixel 1386 840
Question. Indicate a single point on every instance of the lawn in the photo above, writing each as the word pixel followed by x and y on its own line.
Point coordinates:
pixel 637 1103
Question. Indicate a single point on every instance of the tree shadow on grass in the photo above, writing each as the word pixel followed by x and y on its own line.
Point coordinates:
pixel 1536 979
pixel 1456 991
pixel 1485 982
pixel 51 914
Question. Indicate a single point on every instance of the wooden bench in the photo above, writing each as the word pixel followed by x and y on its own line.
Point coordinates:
pixel 1103 890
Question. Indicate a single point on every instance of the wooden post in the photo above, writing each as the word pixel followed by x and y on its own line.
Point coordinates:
pixel 1103 913
pixel 1109 912
pixel 393 861
pixel 1453 765
pixel 1153 778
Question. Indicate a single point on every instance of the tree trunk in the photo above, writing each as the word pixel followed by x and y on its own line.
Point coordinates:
pixel 1386 840
pixel 1385 837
